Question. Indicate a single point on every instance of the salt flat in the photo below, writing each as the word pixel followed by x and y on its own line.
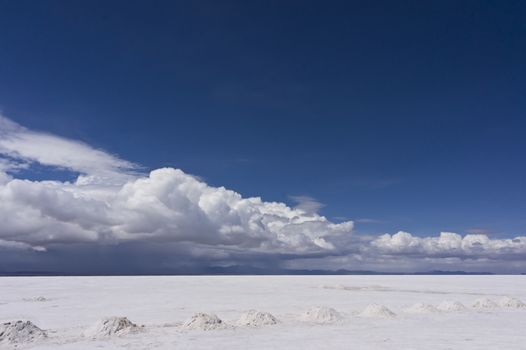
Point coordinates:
pixel 68 309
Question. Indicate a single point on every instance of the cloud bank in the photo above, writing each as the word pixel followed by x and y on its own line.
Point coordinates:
pixel 169 218
pixel 110 204
pixel 449 244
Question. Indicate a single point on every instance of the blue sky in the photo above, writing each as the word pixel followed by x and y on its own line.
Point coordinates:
pixel 398 116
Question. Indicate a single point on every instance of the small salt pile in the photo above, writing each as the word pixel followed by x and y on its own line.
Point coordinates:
pixel 484 303
pixel 321 314
pixel 253 318
pixel 20 332
pixel 421 308
pixel 451 306
pixel 511 303
pixel 205 322
pixel 377 311
pixel 112 326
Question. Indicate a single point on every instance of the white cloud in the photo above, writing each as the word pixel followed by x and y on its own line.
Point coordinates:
pixel 165 206
pixel 168 205
pixel 307 204
pixel 112 205
pixel 404 252
pixel 18 245
pixel 368 221
pixel 449 244
pixel 22 145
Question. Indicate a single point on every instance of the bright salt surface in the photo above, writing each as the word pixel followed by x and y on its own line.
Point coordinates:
pixel 163 304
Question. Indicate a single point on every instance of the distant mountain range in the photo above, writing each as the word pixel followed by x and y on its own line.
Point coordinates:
pixel 235 270
pixel 248 270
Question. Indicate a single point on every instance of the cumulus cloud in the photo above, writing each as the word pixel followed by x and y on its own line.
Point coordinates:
pixel 164 206
pixel 170 217
pixel 167 205
pixel 449 244
pixel 405 252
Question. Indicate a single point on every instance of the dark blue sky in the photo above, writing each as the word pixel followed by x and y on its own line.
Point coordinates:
pixel 408 113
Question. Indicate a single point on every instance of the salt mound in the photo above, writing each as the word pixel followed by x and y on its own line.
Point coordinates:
pixel 377 311
pixel 421 308
pixel 321 314
pixel 449 306
pixel 205 322
pixel 485 303
pixel 112 326
pixel 511 303
pixel 253 318
pixel 20 332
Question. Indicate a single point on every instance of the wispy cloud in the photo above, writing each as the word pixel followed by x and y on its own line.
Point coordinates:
pixel 307 204
pixel 368 221
pixel 22 146
pixel 478 231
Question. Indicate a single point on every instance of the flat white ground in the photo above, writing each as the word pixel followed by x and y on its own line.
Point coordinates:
pixel 161 304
